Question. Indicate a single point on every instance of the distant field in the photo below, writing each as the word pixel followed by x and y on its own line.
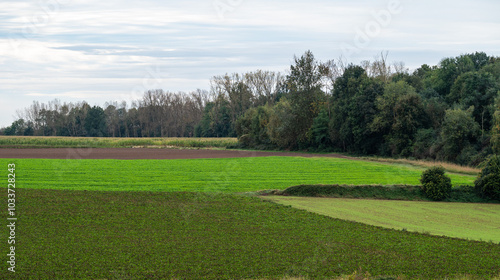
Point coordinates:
pixel 109 142
pixel 462 220
pixel 174 235
pixel 219 175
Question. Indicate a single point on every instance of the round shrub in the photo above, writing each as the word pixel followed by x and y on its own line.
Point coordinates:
pixel 435 184
pixel 488 183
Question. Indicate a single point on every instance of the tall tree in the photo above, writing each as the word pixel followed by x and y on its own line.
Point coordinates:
pixel 353 110
pixel 95 123
pixel 264 86
pixel 459 132
pixel 477 89
pixel 303 89
pixel 400 115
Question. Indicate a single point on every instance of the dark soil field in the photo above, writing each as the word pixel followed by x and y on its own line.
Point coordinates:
pixel 144 153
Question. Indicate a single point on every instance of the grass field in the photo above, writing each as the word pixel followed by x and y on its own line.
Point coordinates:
pixel 180 219
pixel 110 142
pixel 224 175
pixel 176 235
pixel 463 220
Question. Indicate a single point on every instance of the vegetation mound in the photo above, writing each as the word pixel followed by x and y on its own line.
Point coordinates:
pixel 462 193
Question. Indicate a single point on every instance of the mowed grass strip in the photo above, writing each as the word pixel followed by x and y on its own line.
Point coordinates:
pixel 462 220
pixel 221 175
pixel 179 235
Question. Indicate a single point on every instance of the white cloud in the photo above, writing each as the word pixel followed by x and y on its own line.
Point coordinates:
pixel 104 50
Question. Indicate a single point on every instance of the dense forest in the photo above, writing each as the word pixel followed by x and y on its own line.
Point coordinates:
pixel 450 111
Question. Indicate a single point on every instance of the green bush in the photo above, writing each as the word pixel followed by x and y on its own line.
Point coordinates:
pixel 436 185
pixel 488 183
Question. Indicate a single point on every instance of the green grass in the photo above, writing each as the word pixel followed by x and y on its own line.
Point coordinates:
pixel 225 175
pixel 110 142
pixel 461 220
pixel 176 235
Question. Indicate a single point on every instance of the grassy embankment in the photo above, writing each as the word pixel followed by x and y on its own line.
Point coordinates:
pixel 65 234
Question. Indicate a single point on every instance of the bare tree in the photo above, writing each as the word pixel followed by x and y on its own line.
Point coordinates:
pixel 263 85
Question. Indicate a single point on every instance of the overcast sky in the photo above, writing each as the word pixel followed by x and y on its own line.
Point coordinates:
pixel 113 50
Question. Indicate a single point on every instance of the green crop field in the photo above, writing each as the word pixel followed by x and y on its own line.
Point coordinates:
pixel 225 175
pixel 181 219
pixel 176 235
pixel 463 220
pixel 110 142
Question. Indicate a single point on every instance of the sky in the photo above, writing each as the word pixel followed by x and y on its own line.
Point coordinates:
pixel 114 50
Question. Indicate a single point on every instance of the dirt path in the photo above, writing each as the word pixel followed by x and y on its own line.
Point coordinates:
pixel 143 153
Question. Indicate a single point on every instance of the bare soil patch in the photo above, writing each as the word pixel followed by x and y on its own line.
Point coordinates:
pixel 144 153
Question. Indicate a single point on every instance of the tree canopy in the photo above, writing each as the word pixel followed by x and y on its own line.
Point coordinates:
pixel 449 111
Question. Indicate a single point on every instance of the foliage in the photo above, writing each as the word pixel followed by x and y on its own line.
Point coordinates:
pixel 18 127
pixel 459 131
pixel 441 112
pixel 281 127
pixel 400 115
pixel 495 131
pixel 252 128
pixel 435 184
pixel 353 109
pixel 319 131
pixel 101 235
pixel 477 90
pixel 95 123
pixel 400 192
pixel 304 93
pixel 488 181
pixel 463 193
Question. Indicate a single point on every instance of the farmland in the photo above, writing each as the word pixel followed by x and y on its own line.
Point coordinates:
pixel 198 219
pixel 461 220
pixel 110 142
pixel 177 235
pixel 215 175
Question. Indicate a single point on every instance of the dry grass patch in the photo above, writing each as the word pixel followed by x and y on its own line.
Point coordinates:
pixel 450 167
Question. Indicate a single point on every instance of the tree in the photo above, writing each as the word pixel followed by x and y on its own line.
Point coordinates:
pixel 95 123
pixel 303 90
pixel 353 110
pixel 478 90
pixel 379 69
pixel 252 128
pixel 281 127
pixel 264 86
pixel 459 131
pixel 400 115
pixel 488 182
pixel 216 120
pixel 112 120
pixel 479 59
pixel 17 127
pixel 320 131
pixel 435 184
pixel 235 91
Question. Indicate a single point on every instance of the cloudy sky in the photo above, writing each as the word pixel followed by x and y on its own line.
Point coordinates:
pixel 114 50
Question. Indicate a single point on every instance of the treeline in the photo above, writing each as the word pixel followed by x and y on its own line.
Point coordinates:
pixel 450 111
pixel 447 112
pixel 158 114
